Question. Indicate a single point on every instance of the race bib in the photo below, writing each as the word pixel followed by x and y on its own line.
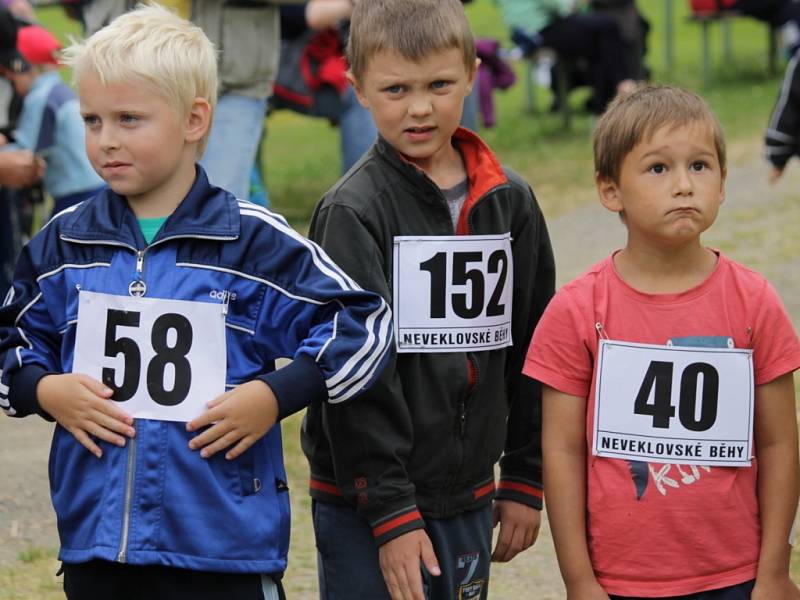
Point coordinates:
pixel 672 404
pixel 164 359
pixel 452 293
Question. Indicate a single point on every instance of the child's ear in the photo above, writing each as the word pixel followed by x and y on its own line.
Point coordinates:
pixel 198 120
pixel 608 190
pixel 473 72
pixel 362 99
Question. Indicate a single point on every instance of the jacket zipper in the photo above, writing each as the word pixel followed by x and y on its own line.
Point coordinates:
pixel 122 555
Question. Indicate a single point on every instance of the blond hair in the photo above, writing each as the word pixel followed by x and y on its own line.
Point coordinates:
pixel 635 117
pixel 154 46
pixel 411 28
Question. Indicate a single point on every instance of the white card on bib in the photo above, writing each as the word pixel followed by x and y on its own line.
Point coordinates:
pixel 452 293
pixel 674 404
pixel 164 359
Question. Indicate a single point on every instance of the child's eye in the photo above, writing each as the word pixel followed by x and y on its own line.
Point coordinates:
pixel 394 89
pixel 699 165
pixel 658 168
pixel 128 119
pixel 90 120
pixel 439 84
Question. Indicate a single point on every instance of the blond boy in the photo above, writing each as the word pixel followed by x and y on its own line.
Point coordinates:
pixel 403 479
pixel 669 432
pixel 146 322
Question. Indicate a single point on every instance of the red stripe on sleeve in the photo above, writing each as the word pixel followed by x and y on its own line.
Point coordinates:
pixel 396 522
pixel 521 487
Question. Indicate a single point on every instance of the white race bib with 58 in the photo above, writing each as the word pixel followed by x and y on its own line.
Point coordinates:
pixel 452 293
pixel 674 404
pixel 164 359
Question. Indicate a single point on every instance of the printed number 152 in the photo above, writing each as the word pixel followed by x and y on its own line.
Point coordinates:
pixel 466 306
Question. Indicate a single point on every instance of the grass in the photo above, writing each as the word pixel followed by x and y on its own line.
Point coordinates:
pixel 302 160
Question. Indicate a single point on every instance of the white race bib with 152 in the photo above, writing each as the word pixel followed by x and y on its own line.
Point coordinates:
pixel 164 359
pixel 452 293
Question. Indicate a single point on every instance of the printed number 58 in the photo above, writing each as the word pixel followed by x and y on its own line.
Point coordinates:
pixel 165 355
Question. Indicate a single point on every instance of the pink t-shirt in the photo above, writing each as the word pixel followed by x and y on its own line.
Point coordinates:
pixel 659 530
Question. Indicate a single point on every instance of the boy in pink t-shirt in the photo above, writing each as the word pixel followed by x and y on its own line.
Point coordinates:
pixel 669 426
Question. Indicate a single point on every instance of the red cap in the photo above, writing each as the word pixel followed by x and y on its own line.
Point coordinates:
pixel 37 45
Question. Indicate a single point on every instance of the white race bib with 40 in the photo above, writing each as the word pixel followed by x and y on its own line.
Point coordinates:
pixel 164 359
pixel 674 404
pixel 452 293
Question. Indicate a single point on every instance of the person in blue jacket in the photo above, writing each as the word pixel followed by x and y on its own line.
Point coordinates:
pixel 146 322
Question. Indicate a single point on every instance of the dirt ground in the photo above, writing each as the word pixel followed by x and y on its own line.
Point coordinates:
pixel 758 225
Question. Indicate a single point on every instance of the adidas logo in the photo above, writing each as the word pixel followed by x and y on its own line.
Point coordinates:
pixel 224 295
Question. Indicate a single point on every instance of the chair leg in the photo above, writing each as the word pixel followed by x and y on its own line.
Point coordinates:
pixel 772 46
pixel 562 92
pixel 706 57
pixel 530 83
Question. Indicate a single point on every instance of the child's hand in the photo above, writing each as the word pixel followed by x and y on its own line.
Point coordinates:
pixel 586 590
pixel 400 564
pixel 774 174
pixel 775 588
pixel 519 527
pixel 242 415
pixel 82 406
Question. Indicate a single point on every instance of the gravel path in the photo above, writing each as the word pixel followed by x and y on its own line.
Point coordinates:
pixel 758 225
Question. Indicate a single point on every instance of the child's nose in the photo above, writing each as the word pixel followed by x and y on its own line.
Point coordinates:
pixel 420 106
pixel 682 183
pixel 108 140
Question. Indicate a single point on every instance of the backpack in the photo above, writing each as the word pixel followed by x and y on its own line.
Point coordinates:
pixel 311 75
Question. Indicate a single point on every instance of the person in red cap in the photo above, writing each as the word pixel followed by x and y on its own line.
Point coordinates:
pixel 50 124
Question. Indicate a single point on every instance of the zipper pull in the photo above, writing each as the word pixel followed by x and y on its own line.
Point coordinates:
pixel 225 302
pixel 138 287
pixel 139 263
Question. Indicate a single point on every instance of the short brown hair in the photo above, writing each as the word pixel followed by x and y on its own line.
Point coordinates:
pixel 412 28
pixel 631 118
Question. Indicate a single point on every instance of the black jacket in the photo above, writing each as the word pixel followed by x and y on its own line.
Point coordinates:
pixel 782 140
pixel 424 440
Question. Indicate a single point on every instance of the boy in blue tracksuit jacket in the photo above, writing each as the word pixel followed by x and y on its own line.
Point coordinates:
pixel 146 322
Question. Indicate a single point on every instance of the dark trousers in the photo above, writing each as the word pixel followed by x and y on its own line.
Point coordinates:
pixel 347 556
pixel 104 580
pixel 595 38
pixel 741 591
pixel 9 239
pixel 775 12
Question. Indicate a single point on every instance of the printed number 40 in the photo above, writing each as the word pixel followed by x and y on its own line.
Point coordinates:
pixel 658 380
pixel 464 308
pixel 165 354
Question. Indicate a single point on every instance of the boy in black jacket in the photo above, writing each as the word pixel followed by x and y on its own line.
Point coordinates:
pixel 430 220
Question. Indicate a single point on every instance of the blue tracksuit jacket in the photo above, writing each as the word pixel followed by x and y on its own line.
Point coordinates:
pixel 155 501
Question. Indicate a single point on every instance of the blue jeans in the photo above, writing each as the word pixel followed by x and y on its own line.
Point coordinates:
pixel 347 556
pixel 358 130
pixel 233 143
